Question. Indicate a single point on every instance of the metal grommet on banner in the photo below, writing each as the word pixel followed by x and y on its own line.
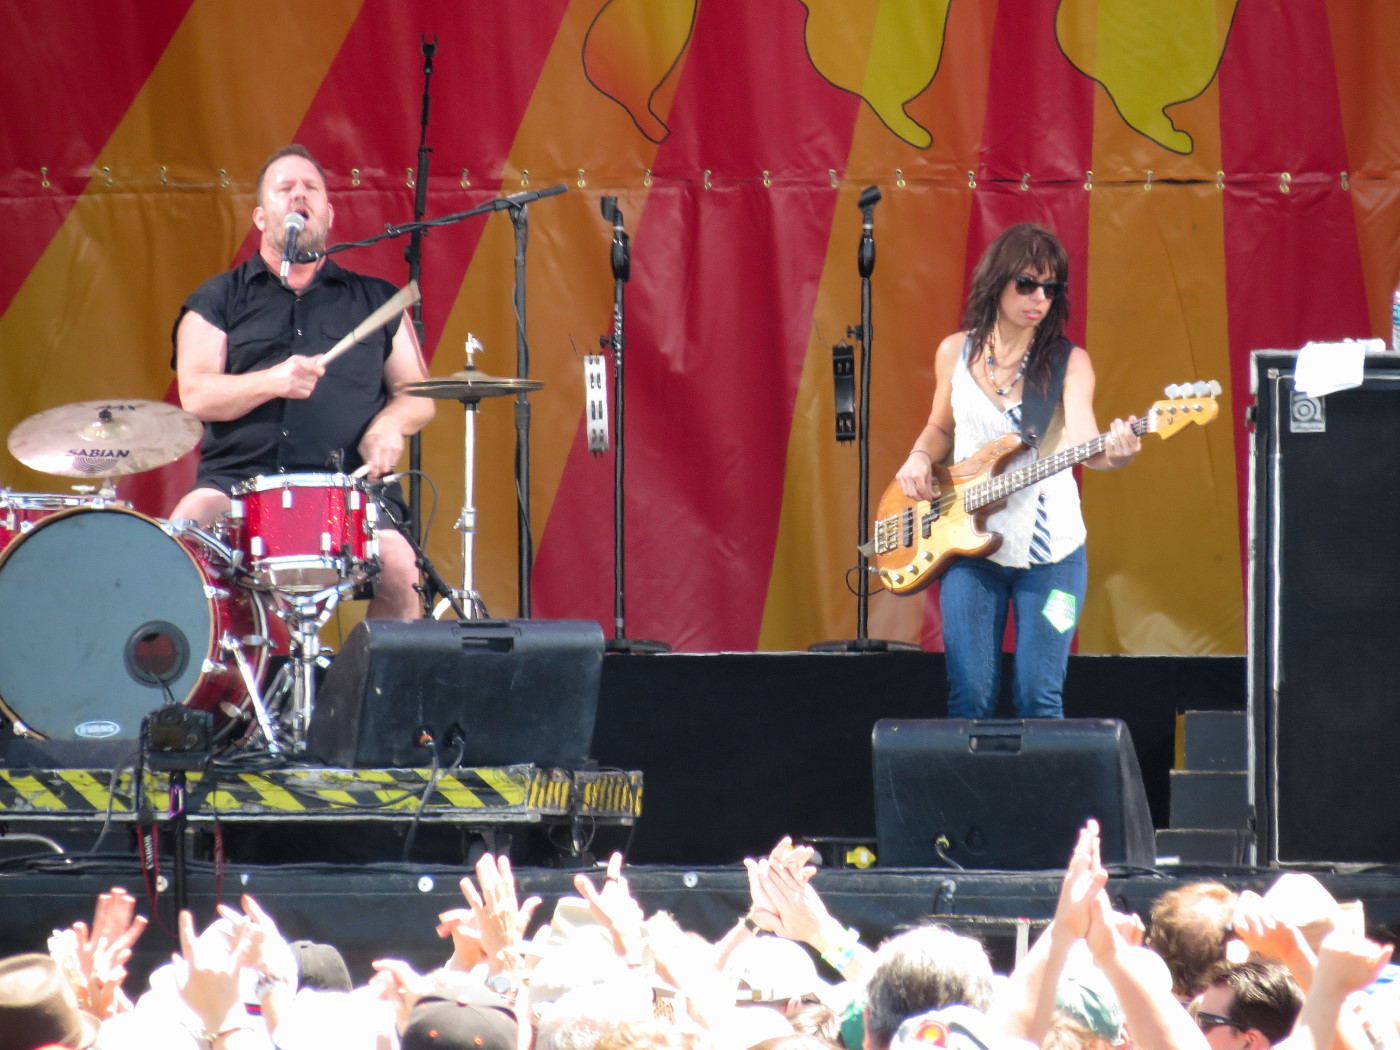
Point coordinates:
pixel 705 178
pixel 767 177
pixel 106 175
pixel 223 178
pixel 971 180
pixel 646 177
pixel 354 176
pixel 835 180
pixel 466 179
pixel 1089 180
pixel 524 178
pixel 582 182
pixel 1219 180
pixel 1285 182
pixel 409 178
pixel 44 177
pixel 1345 184
pixel 1148 184
pixel 899 177
pixel 163 179
pixel 1025 182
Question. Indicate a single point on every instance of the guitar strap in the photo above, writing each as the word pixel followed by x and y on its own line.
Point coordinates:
pixel 1038 404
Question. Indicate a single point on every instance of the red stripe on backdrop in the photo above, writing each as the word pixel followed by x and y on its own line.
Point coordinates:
pixel 1293 271
pixel 68 78
pixel 1047 132
pixel 720 303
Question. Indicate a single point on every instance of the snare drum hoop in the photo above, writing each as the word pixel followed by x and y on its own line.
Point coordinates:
pixel 209 651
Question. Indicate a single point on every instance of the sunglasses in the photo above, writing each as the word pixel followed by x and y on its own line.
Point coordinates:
pixel 1207 1022
pixel 1026 285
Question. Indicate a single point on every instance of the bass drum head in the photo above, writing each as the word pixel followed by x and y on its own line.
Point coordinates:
pixel 78 595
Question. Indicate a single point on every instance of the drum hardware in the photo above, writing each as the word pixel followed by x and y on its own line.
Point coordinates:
pixel 294 688
pixel 470 387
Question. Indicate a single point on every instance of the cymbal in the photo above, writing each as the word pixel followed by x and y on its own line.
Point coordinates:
pixel 89 439
pixel 469 385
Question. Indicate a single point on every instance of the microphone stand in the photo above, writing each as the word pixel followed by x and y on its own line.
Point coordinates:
pixel 621 259
pixel 865 265
pixel 413 255
pixel 525 544
pixel 435 586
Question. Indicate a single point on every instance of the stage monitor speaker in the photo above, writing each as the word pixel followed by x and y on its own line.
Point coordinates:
pixel 504 692
pixel 1324 575
pixel 1006 795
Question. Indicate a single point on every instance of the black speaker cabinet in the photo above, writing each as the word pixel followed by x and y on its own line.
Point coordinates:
pixel 1324 589
pixel 1007 795
pixel 504 691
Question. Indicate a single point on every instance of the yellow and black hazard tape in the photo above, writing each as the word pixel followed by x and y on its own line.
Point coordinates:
pixel 521 793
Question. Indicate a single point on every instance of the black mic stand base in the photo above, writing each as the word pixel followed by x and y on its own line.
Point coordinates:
pixel 634 645
pixel 864 645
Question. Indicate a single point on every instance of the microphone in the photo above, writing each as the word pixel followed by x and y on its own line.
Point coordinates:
pixel 380 482
pixel 292 225
pixel 865 255
pixel 621 255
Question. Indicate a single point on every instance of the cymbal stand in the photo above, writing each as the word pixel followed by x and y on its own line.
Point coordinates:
pixel 466 523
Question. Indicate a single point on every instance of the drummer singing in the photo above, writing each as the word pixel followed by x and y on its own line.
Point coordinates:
pixel 247 357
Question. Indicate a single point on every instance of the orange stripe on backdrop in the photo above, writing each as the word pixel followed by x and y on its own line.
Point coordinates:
pixel 568 125
pixel 129 253
pixel 1164 570
pixel 920 233
pixel 1368 86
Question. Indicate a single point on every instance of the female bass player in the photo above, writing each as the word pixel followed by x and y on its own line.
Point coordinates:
pixel 1013 356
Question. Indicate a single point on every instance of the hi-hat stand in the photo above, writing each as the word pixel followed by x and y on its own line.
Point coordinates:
pixel 865 265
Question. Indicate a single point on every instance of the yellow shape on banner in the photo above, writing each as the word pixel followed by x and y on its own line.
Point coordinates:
pixel 1147 54
pixel 905 46
pixel 632 49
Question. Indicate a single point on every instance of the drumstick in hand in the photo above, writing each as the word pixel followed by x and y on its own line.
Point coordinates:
pixel 402 300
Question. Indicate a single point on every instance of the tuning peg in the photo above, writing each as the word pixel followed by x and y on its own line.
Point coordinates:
pixel 1201 388
pixel 1172 391
pixel 1215 388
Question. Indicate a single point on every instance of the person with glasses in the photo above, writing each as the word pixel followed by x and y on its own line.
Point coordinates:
pixel 1012 370
pixel 1247 1006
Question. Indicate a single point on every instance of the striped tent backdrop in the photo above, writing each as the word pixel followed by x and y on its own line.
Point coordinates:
pixel 1223 173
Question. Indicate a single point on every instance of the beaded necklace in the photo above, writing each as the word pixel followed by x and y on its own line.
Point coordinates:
pixel 991 361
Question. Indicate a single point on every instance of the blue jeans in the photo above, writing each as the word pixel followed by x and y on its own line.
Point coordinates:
pixel 974 595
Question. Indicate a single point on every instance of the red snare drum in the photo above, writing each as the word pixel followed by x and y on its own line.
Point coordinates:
pixel 304 532
pixel 97 606
pixel 21 511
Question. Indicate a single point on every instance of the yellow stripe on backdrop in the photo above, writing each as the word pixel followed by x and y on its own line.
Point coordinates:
pixel 1164 545
pixel 105 291
pixel 917 288
pixel 568 125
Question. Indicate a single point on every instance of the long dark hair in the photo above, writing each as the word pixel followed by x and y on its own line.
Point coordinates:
pixel 1024 248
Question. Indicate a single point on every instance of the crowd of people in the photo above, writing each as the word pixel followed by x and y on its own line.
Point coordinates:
pixel 1213 970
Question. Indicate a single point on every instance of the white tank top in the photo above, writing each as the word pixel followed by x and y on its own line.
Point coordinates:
pixel 977 422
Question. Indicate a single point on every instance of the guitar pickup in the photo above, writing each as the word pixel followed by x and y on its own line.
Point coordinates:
pixel 906 523
pixel 926 523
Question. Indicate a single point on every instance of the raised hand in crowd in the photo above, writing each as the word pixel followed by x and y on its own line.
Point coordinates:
pixel 1346 963
pixel 270 955
pixel 497 916
pixel 95 957
pixel 615 909
pixel 1267 935
pixel 207 972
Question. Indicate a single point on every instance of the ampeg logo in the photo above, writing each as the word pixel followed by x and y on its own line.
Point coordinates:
pixel 1306 415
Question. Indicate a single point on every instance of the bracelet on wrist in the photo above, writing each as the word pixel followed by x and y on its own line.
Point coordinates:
pixel 922 453
pixel 749 924
pixel 270 982
pixel 209 1039
pixel 842 949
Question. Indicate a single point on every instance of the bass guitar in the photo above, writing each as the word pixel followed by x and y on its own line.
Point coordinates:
pixel 915 541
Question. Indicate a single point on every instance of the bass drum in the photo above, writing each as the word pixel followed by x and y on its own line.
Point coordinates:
pixel 106 615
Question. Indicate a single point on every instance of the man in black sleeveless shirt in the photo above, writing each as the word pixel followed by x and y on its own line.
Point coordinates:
pixel 248 354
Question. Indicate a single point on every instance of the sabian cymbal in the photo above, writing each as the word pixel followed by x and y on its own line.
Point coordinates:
pixel 91 439
pixel 469 385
